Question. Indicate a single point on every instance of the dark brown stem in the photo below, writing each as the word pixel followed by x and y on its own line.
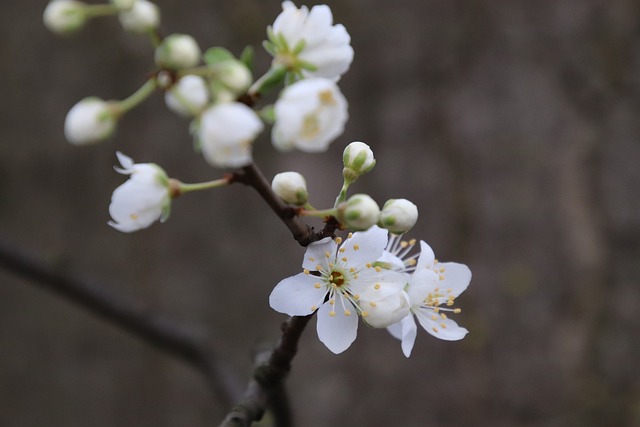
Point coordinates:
pixel 268 375
pixel 129 316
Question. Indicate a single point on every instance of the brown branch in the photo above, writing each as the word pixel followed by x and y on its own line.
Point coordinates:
pixel 268 375
pixel 129 316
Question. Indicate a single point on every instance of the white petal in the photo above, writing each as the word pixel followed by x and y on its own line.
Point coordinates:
pixel 339 331
pixel 297 295
pixel 316 254
pixel 426 256
pixel 125 161
pixel 421 284
pixel 456 277
pixel 365 246
pixel 409 332
pixel 451 331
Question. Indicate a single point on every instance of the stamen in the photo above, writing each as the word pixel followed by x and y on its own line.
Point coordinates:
pixel 376 286
pixel 306 271
pixel 347 312
pixel 457 310
pixel 338 240
pixel 356 247
pixel 444 326
pixel 332 313
pixel 344 258
pixel 434 328
pixel 317 286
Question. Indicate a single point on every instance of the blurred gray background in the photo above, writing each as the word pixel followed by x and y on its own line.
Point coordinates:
pixel 512 124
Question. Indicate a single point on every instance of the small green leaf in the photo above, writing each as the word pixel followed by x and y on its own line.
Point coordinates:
pixel 246 57
pixel 216 55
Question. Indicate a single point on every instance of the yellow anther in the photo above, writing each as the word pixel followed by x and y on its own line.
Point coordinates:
pixel 332 313
pixel 355 276
pixel 378 269
pixel 352 270
pixel 444 316
pixel 319 267
pixel 347 313
pixel 444 326
pixel 404 244
pixel 350 235
pixel 311 259
pixel 449 291
pixel 332 301
pixel 356 297
pixel 441 270
pixel 314 307
pixel 341 250
pixel 317 286
pixel 364 313
pixel 450 302
pixel 412 261
pixel 434 328
pixel 457 310
pixel 373 304
pixel 376 286
pixel 435 261
pixel 327 254
pixel 436 309
pixel 356 247
pixel 306 271
pixel 344 258
pixel 434 317
pixel 334 286
pixel 331 265
pixel 338 240
pixel 368 265
pixel 412 242
pixel 134 216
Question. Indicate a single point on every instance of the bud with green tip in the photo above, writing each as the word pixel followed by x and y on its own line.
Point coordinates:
pixel 359 212
pixel 64 16
pixel 398 216
pixel 178 51
pixel 291 187
pixel 90 120
pixel 143 17
pixel 234 75
pixel 358 159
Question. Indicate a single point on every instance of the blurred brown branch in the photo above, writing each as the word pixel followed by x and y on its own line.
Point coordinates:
pixel 129 316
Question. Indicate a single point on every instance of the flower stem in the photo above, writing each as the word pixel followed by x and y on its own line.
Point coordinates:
pixel 343 194
pixel 138 96
pixel 319 213
pixel 155 37
pixel 94 10
pixel 187 187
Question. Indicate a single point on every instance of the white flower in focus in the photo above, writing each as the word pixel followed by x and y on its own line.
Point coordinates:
pixel 346 285
pixel 226 134
pixel 310 114
pixel 143 199
pixel 90 120
pixel 64 16
pixel 178 51
pixel 398 216
pixel 188 96
pixel 144 16
pixel 290 187
pixel 432 290
pixel 309 44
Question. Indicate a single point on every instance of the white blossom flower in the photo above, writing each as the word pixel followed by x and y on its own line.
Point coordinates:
pixel 188 96
pixel 90 120
pixel 226 134
pixel 432 289
pixel 178 51
pixel 142 17
pixel 141 200
pixel 398 215
pixel 309 44
pixel 310 114
pixel 290 187
pixel 358 159
pixel 343 285
pixel 64 16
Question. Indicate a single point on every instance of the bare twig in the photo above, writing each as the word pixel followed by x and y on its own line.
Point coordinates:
pixel 130 316
pixel 268 376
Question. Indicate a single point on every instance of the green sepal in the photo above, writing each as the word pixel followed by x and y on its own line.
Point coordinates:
pixel 215 55
pixel 274 77
pixel 268 114
pixel 246 57
pixel 270 47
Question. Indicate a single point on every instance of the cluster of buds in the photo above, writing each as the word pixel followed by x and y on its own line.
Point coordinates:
pixel 370 274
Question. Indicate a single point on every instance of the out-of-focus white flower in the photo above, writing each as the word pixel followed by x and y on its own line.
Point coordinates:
pixel 234 75
pixel 308 43
pixel 143 16
pixel 290 187
pixel 90 120
pixel 143 199
pixel 398 216
pixel 64 16
pixel 226 134
pixel 188 96
pixel 359 212
pixel 347 285
pixel 432 289
pixel 310 114
pixel 178 51
pixel 358 159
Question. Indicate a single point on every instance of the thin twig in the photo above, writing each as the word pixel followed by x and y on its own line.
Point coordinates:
pixel 129 316
pixel 268 376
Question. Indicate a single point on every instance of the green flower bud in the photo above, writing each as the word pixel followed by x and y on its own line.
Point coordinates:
pixel 358 159
pixel 290 187
pixel 64 16
pixel 178 51
pixel 359 212
pixel 398 216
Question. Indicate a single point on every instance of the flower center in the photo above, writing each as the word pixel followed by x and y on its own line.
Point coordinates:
pixel 337 278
